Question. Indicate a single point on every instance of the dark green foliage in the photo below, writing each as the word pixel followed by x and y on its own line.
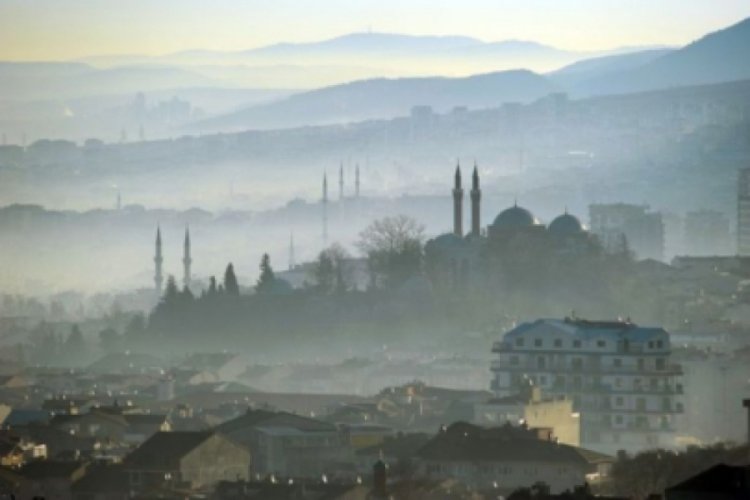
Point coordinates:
pixel 267 279
pixel 231 286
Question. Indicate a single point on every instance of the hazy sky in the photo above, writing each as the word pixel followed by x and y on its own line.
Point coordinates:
pixel 64 29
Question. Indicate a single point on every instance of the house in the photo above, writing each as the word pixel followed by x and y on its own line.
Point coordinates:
pixel 720 482
pixel 534 410
pixel 102 482
pixel 66 406
pixel 50 479
pixel 505 458
pixel 128 428
pixel 289 445
pixel 190 459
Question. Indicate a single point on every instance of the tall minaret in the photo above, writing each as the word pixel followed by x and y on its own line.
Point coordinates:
pixel 356 182
pixel 341 181
pixel 476 197
pixel 291 251
pixel 458 200
pixel 186 260
pixel 158 276
pixel 325 210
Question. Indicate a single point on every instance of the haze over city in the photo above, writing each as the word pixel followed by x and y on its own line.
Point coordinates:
pixel 374 250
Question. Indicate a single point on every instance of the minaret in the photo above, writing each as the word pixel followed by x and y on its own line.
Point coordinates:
pixel 458 199
pixel 356 182
pixel 158 276
pixel 325 210
pixel 291 251
pixel 186 260
pixel 476 197
pixel 341 181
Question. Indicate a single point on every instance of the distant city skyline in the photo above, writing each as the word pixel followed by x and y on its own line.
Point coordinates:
pixel 43 30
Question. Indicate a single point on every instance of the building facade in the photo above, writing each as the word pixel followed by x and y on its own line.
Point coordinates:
pixel 620 227
pixel 617 374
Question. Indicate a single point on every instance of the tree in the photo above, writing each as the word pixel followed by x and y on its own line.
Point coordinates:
pixel 231 286
pixel 329 270
pixel 267 278
pixel 393 246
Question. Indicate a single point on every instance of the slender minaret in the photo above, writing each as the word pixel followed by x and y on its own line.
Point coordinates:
pixel 158 276
pixel 325 210
pixel 458 200
pixel 356 182
pixel 341 181
pixel 291 251
pixel 186 260
pixel 476 197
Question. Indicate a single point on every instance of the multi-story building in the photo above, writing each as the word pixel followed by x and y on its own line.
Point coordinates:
pixel 617 373
pixel 620 226
pixel 743 213
pixel 707 233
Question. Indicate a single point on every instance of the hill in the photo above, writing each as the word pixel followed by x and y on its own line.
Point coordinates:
pixel 384 98
pixel 718 57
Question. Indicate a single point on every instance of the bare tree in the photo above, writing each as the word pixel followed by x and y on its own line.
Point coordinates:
pixel 393 246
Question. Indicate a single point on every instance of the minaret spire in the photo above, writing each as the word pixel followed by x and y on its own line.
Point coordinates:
pixel 476 197
pixel 291 251
pixel 158 260
pixel 341 181
pixel 186 260
pixel 325 209
pixel 458 199
pixel 356 181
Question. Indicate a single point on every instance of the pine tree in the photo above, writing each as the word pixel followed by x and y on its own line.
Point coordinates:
pixel 231 286
pixel 267 278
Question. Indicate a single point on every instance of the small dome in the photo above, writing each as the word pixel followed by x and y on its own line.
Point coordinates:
pixel 445 241
pixel 565 224
pixel 514 217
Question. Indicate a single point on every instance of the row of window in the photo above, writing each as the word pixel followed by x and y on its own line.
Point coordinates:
pixel 577 344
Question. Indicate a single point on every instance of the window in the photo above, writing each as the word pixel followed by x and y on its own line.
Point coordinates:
pixel 537 342
pixel 619 401
pixel 660 363
pixel 641 364
pixel 577 363
pixel 617 362
pixel 519 342
pixel 601 343
pixel 659 344
pixel 576 344
pixel 541 362
pixel 513 361
pixel 558 342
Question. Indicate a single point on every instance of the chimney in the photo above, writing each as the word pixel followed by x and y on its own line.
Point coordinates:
pixel 379 480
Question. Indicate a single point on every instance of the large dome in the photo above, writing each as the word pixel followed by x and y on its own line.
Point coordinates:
pixel 565 224
pixel 514 217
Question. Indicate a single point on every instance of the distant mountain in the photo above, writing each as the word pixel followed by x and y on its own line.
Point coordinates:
pixel 597 67
pixel 721 56
pixel 383 98
pixel 368 43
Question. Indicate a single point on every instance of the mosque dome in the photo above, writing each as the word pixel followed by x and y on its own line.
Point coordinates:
pixel 446 241
pixel 514 217
pixel 565 224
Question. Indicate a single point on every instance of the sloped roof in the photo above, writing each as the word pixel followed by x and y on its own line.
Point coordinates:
pixel 166 448
pixel 721 478
pixel 587 329
pixel 468 442
pixel 266 418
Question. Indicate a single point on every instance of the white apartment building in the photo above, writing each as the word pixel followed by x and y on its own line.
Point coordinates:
pixel 617 373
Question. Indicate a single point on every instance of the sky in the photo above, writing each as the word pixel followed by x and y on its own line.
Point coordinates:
pixel 69 29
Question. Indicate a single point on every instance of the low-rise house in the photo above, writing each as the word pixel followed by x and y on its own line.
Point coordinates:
pixel 505 458
pixel 102 482
pixel 289 445
pixel 67 406
pixel 192 459
pixel 113 427
pixel 49 479
pixel 720 482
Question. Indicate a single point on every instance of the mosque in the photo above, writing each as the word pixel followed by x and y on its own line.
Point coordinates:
pixel 514 237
